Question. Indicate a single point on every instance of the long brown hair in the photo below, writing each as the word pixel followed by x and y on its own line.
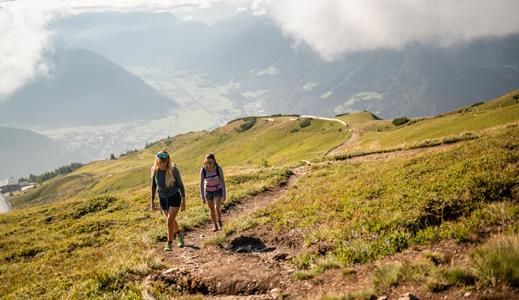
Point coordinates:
pixel 210 156
pixel 170 180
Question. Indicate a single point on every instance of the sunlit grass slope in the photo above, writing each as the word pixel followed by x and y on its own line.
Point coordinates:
pixel 276 141
pixel 378 135
pixel 361 211
pixel 91 236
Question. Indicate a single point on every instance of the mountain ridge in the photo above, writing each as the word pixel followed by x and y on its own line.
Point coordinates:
pixel 84 88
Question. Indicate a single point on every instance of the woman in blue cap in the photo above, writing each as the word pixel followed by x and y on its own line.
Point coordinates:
pixel 165 178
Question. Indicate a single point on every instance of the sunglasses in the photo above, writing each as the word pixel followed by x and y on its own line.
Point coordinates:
pixel 162 155
pixel 209 162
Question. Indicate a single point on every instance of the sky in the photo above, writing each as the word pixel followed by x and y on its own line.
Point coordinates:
pixel 332 28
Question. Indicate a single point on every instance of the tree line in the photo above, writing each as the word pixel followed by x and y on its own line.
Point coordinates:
pixel 51 174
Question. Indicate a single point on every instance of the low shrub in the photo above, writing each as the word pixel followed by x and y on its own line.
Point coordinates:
pixel 247 124
pixel 92 206
pixel 305 122
pixel 400 121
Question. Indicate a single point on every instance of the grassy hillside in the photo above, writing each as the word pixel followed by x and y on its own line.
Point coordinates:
pixel 277 142
pixel 99 245
pixel 378 135
pixel 365 210
pixel 91 235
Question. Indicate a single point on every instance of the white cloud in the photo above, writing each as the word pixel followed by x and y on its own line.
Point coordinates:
pixel 326 95
pixel 310 85
pixel 348 106
pixel 330 27
pixel 270 71
pixel 24 32
pixel 334 27
pixel 23 36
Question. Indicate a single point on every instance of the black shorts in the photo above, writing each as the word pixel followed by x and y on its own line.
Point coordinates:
pixel 173 200
pixel 209 196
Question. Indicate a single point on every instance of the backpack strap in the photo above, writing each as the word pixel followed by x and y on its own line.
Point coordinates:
pixel 156 180
pixel 217 169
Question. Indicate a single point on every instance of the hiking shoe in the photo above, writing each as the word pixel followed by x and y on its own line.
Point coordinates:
pixel 169 246
pixel 180 239
pixel 220 225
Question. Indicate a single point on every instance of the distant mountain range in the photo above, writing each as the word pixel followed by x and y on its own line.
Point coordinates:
pixel 83 88
pixel 261 69
pixel 24 151
pixel 419 79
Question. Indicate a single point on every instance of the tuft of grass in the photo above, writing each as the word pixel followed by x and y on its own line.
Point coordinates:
pixel 387 276
pixel 355 295
pixel 217 240
pixel 497 261
pixel 320 267
pixel 436 258
pixel 436 283
pixel 460 276
pixel 304 260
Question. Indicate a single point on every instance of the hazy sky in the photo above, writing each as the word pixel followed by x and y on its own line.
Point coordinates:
pixel 330 27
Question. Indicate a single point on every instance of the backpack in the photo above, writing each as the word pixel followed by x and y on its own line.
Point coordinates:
pixel 217 169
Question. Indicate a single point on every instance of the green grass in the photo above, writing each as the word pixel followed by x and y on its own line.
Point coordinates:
pixel 380 135
pixel 319 267
pixel 497 261
pixel 99 246
pixel 91 236
pixel 356 295
pixel 368 210
pixel 266 143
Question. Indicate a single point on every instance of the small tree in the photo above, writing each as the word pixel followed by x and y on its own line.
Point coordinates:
pixel 400 121
pixel 112 156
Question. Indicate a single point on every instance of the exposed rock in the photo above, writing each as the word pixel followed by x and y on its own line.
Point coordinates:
pixel 274 293
pixel 408 296
pixel 280 256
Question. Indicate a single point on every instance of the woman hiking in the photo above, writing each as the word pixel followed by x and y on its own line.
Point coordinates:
pixel 212 189
pixel 165 178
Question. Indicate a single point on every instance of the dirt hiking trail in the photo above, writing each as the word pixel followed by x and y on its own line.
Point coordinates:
pixel 256 265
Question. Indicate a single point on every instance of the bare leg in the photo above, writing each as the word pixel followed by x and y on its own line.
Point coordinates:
pixel 210 204
pixel 218 204
pixel 171 222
